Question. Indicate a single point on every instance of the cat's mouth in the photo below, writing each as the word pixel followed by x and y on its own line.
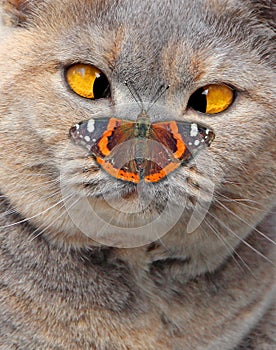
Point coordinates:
pixel 117 210
pixel 185 186
pixel 130 195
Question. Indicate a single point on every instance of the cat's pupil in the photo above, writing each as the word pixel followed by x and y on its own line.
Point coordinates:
pixel 198 100
pixel 212 98
pixel 101 88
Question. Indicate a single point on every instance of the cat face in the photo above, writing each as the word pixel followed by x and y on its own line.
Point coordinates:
pixel 64 190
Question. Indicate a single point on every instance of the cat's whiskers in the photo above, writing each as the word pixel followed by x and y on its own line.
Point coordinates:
pixel 245 202
pixel 48 186
pixel 64 212
pixel 31 203
pixel 253 228
pixel 221 223
pixel 231 249
pixel 38 214
pixel 224 163
pixel 43 198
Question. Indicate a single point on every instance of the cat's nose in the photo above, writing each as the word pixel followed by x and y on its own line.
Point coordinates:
pixel 139 150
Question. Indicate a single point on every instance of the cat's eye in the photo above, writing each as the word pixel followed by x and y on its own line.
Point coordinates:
pixel 87 81
pixel 212 99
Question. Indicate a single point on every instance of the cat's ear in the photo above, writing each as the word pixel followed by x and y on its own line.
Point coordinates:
pixel 18 12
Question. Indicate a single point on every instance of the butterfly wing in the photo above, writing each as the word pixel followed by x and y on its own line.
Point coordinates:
pixel 111 142
pixel 121 162
pixel 124 156
pixel 101 135
pixel 172 144
pixel 182 138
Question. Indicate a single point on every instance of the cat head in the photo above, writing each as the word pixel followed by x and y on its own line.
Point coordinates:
pixel 65 192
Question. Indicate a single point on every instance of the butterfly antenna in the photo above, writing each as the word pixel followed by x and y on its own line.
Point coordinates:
pixel 135 95
pixel 160 92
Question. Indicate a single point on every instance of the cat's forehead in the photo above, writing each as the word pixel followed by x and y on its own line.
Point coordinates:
pixel 169 41
pixel 140 24
pixel 173 39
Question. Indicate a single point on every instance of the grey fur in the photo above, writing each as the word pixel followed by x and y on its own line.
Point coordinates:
pixel 211 289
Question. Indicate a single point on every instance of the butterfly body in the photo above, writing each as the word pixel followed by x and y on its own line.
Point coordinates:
pixel 140 150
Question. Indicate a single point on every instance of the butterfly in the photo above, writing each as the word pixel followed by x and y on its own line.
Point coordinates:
pixel 139 150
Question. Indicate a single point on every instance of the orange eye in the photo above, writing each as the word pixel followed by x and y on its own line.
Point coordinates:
pixel 87 81
pixel 212 99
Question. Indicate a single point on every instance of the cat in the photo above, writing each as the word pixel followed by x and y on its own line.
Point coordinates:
pixel 174 254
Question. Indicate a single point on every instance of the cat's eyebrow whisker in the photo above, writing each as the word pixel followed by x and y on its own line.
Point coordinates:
pixel 241 239
pixel 230 249
pixel 134 94
pixel 245 222
pixel 159 93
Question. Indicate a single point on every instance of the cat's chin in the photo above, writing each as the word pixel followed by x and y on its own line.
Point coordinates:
pixel 116 213
pixel 127 217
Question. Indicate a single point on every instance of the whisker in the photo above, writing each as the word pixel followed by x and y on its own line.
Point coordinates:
pixel 55 220
pixel 241 201
pixel 244 221
pixel 230 249
pixel 241 239
pixel 134 94
pixel 30 204
pixel 36 215
pixel 158 94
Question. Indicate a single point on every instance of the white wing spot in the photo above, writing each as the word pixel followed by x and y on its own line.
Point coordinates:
pixel 77 126
pixel 91 125
pixel 87 138
pixel 196 143
pixel 194 130
pixel 207 131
